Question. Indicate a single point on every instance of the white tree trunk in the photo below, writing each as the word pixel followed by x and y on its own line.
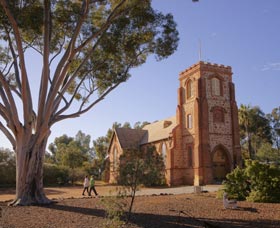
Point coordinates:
pixel 29 176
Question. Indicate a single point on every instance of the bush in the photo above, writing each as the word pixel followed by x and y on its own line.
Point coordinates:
pixel 7 168
pixel 77 175
pixel 237 185
pixel 257 182
pixel 55 175
pixel 7 174
pixel 265 182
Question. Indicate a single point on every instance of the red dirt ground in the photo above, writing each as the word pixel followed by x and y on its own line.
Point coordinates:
pixel 161 211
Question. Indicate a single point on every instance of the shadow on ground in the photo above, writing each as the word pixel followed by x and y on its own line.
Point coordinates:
pixel 180 219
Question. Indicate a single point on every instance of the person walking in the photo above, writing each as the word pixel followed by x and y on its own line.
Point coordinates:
pixel 92 186
pixel 86 185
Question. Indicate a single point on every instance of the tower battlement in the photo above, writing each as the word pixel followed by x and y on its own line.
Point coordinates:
pixel 205 66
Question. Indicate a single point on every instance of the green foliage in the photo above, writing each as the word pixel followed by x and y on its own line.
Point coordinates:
pixel 7 168
pixel 254 129
pixel 154 169
pixel 237 185
pixel 55 175
pixel 115 207
pixel 274 118
pixel 267 153
pixel 141 167
pixel 62 175
pixel 77 175
pixel 257 182
pixel 73 156
pixel 72 152
pixel 264 182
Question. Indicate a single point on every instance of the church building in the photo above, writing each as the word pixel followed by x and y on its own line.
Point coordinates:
pixel 201 143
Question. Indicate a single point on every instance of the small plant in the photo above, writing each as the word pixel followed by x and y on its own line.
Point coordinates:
pixel 115 207
pixel 136 168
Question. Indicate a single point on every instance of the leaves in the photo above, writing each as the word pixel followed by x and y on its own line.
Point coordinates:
pixel 254 128
pixel 257 182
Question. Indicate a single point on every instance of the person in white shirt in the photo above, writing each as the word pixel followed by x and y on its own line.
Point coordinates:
pixel 86 185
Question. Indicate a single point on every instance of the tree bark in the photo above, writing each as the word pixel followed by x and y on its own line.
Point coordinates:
pixel 29 176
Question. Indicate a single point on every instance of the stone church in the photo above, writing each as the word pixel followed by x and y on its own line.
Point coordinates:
pixel 201 143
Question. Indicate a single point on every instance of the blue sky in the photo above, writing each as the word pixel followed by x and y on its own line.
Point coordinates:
pixel 243 34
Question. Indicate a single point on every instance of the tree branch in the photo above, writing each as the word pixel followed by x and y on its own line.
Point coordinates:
pixel 77 114
pixel 15 63
pixel 25 91
pixel 104 27
pixel 8 134
pixel 9 103
pixel 45 70
pixel 63 65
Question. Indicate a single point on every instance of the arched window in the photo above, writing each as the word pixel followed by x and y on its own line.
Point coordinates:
pixel 115 159
pixel 190 155
pixel 216 87
pixel 189 121
pixel 189 89
pixel 164 153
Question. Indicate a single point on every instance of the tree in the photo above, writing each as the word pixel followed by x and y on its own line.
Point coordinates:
pixel 86 49
pixel 100 146
pixel 139 125
pixel 56 148
pixel 140 167
pixel 274 119
pixel 84 142
pixel 267 153
pixel 254 128
pixel 65 148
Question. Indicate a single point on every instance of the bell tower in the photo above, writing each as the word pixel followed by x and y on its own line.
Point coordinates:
pixel 207 117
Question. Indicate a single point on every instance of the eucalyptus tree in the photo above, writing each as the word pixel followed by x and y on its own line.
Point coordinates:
pixel 274 118
pixel 85 48
pixel 254 128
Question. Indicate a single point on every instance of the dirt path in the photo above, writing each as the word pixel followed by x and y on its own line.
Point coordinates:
pixel 105 190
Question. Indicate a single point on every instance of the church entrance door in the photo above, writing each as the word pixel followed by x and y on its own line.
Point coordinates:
pixel 220 165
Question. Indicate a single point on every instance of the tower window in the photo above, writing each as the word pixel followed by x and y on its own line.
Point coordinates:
pixel 189 89
pixel 189 121
pixel 216 87
pixel 218 114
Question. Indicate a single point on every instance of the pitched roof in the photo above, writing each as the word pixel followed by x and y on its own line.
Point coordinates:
pixel 159 130
pixel 129 138
pixel 132 138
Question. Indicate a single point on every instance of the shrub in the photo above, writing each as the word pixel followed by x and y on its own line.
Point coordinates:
pixel 55 175
pixel 77 175
pixel 257 182
pixel 237 185
pixel 115 207
pixel 265 182
pixel 7 168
